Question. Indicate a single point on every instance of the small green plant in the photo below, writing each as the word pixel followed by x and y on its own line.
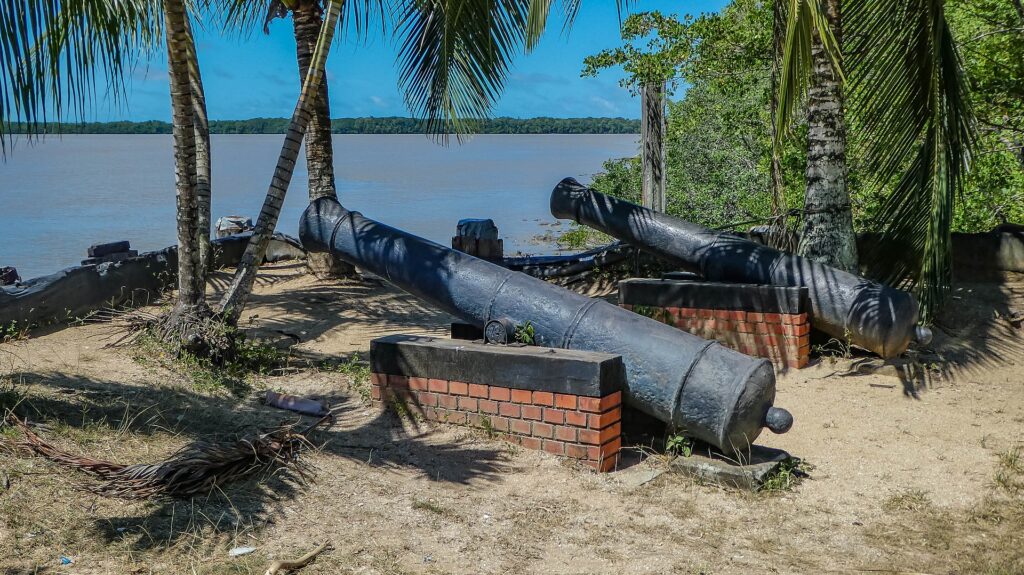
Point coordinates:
pixel 577 237
pixel 488 427
pixel 401 408
pixel 836 348
pixel 429 505
pixel 1009 475
pixel 358 372
pixel 525 333
pixel 788 475
pixel 228 372
pixel 656 313
pixel 679 444
pixel 13 332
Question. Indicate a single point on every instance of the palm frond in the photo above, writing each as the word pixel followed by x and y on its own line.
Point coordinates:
pixel 455 56
pixel 243 17
pixel 193 471
pixel 802 19
pixel 909 96
pixel 53 53
pixel 537 18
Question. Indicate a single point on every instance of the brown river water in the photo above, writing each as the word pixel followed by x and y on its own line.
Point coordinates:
pixel 60 195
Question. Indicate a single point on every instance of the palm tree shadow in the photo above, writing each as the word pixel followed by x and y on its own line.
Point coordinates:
pixel 155 413
pixel 974 332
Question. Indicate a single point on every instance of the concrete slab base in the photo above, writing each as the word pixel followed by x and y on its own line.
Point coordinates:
pixel 758 465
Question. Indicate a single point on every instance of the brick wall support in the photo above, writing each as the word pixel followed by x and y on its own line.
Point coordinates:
pixel 581 427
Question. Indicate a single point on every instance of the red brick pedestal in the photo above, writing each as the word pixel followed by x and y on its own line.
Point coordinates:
pixel 761 321
pixel 583 423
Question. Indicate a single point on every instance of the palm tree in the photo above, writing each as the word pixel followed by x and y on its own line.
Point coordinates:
pixel 201 125
pixel 191 302
pixel 306 25
pixel 234 299
pixel 57 48
pixel 908 95
pixel 454 59
pixel 827 235
pixel 307 22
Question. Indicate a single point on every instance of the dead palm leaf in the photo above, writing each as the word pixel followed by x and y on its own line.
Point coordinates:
pixel 195 470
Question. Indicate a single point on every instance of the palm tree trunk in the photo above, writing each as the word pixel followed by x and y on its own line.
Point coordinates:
pixel 191 274
pixel 306 24
pixel 828 235
pixel 234 299
pixel 201 127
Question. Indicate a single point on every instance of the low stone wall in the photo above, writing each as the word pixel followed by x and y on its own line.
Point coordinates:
pixel 762 321
pixel 75 292
pixel 564 402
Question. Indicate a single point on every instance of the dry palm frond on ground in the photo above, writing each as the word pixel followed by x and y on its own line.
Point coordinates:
pixel 197 469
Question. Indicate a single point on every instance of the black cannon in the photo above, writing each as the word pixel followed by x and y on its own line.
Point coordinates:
pixel 869 314
pixel 718 395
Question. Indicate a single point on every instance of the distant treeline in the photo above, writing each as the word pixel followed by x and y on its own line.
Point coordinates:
pixel 387 125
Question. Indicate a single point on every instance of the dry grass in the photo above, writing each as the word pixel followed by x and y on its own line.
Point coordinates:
pixel 985 538
pixel 929 483
pixel 907 500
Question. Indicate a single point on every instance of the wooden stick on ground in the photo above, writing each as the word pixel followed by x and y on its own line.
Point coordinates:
pixel 286 565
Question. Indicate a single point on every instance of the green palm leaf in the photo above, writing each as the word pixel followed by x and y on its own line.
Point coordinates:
pixel 803 18
pixel 53 52
pixel 454 58
pixel 455 54
pixel 245 16
pixel 908 94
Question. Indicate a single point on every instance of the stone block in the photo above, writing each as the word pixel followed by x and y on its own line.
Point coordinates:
pixel 100 250
pixel 756 467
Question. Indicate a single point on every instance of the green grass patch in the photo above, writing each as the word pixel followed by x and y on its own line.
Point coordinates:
pixel 430 506
pixel 787 476
pixel 232 374
pixel 1009 476
pixel 357 370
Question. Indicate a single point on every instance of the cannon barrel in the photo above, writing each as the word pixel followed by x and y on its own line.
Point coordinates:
pixel 718 395
pixel 871 315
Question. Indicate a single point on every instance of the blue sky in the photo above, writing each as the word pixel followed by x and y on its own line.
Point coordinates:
pixel 257 76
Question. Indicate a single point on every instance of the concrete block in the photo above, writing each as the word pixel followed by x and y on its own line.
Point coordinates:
pixel 100 250
pixel 758 465
pixel 584 373
pixel 714 295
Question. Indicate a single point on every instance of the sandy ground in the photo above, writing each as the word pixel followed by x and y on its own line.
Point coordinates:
pixel 912 466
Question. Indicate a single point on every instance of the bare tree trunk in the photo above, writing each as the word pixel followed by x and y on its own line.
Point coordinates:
pixel 778 235
pixel 652 130
pixel 201 126
pixel 828 235
pixel 191 274
pixel 234 299
pixel 306 24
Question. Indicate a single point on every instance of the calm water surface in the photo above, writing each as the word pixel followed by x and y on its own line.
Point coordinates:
pixel 61 195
